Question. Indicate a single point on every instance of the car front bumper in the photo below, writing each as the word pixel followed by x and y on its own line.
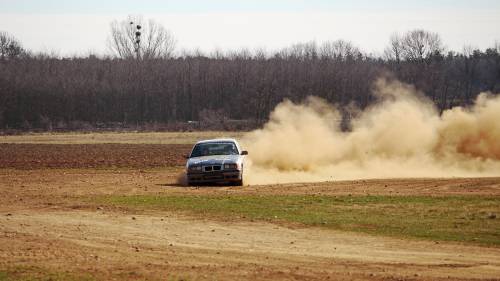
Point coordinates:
pixel 214 177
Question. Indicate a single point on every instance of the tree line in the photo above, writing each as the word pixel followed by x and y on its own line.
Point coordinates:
pixel 221 90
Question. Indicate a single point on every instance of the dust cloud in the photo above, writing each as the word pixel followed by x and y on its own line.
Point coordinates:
pixel 401 135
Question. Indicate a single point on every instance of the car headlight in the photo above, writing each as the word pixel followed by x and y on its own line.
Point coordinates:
pixel 230 166
pixel 194 168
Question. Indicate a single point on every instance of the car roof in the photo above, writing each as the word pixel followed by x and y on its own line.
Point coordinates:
pixel 217 140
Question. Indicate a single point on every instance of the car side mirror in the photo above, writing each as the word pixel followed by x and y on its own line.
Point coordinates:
pixel 244 152
pixel 187 156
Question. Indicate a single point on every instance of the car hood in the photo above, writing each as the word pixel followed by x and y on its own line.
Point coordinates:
pixel 214 160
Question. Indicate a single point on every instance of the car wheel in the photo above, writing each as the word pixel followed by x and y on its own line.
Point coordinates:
pixel 240 182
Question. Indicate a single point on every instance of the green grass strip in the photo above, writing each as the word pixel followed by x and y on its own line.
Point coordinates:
pixel 454 218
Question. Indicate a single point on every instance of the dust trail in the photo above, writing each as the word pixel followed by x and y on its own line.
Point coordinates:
pixel 401 135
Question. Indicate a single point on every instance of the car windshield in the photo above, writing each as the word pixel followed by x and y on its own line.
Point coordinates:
pixel 214 148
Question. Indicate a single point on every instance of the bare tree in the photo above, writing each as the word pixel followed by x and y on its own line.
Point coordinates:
pixel 468 50
pixel 419 44
pixel 339 50
pixel 10 47
pixel 134 38
pixel 394 50
pixel 307 50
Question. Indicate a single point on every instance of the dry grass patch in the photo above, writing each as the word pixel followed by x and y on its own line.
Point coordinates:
pixel 118 137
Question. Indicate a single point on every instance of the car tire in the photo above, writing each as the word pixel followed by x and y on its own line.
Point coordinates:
pixel 240 182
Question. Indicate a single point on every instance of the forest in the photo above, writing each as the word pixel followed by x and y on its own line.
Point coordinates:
pixel 154 87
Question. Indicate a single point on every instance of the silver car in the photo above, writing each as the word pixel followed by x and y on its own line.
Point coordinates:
pixel 216 161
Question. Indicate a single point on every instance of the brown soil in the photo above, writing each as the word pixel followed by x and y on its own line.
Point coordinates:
pixel 36 156
pixel 44 223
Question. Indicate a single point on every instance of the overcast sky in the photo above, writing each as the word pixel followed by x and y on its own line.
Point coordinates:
pixel 77 27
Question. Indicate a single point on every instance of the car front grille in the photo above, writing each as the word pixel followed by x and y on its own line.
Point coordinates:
pixel 212 168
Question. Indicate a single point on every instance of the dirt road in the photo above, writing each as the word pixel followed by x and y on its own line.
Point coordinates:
pixel 42 225
pixel 156 245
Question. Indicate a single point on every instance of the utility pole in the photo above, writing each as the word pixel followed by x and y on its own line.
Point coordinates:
pixel 137 44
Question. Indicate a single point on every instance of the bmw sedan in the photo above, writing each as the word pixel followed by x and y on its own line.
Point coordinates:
pixel 216 161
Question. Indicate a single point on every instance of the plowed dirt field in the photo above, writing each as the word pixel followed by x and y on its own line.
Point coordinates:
pixel 36 156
